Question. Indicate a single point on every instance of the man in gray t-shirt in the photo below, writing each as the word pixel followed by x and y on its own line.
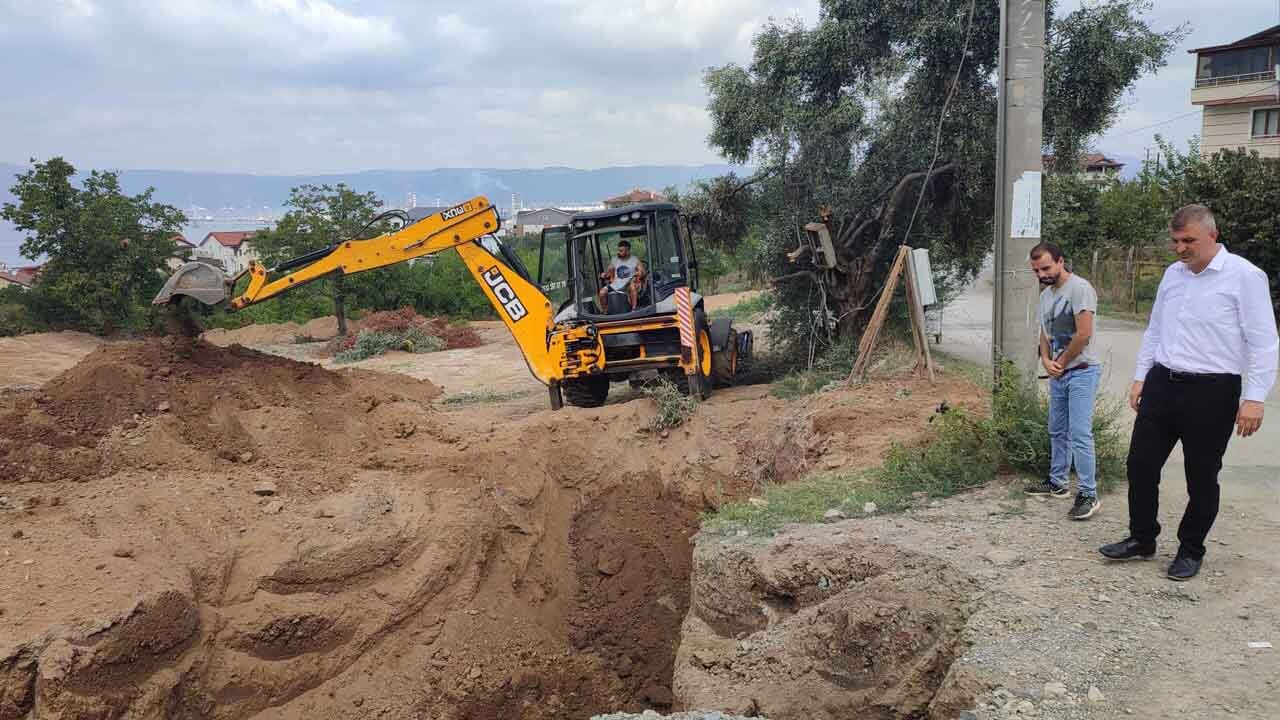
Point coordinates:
pixel 1066 312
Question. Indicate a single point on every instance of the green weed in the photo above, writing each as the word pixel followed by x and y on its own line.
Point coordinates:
pixel 372 343
pixel 674 407
pixel 960 452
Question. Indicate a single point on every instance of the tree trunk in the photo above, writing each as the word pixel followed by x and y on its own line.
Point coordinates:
pixel 864 241
pixel 339 308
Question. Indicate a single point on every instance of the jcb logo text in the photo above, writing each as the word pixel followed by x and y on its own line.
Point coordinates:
pixel 455 211
pixel 506 296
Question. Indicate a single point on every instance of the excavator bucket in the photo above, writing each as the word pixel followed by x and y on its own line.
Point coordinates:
pixel 199 280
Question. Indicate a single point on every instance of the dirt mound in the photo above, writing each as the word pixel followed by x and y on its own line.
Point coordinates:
pixel 262 537
pixel 286 333
pixel 324 328
pixel 450 591
pixel 255 334
pixel 171 403
pixel 817 624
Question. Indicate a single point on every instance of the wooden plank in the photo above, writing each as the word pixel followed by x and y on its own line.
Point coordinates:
pixel 868 342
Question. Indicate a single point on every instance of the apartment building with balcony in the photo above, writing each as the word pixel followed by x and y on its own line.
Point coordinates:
pixel 1238 85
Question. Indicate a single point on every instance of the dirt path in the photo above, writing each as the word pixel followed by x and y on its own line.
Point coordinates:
pixel 31 360
pixel 1154 647
pixel 494 367
pixel 719 302
pixel 1051 611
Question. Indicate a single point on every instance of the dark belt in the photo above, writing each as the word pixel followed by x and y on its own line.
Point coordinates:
pixel 1081 366
pixel 1189 378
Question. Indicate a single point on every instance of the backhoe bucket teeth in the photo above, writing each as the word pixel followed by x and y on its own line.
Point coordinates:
pixel 201 281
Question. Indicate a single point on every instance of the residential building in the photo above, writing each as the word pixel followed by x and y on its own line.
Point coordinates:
pixel 183 250
pixel 233 250
pixel 28 274
pixel 533 221
pixel 1094 167
pixel 1238 85
pixel 10 279
pixel 635 196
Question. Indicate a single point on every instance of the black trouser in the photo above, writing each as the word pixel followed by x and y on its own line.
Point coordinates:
pixel 1201 412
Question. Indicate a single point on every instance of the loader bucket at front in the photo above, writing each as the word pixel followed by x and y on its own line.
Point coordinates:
pixel 201 281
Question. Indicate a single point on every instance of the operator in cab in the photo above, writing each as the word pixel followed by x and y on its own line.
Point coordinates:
pixel 624 274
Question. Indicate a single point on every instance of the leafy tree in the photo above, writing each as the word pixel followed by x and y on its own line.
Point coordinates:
pixel 1134 213
pixel 1071 215
pixel 1094 56
pixel 1243 190
pixel 321 216
pixel 1241 187
pixel 843 115
pixel 106 251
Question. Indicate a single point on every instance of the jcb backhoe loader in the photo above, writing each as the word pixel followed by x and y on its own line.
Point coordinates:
pixel 561 320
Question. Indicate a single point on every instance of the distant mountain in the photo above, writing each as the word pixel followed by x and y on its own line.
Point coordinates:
pixel 536 186
pixel 226 195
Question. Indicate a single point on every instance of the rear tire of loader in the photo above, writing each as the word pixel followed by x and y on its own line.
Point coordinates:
pixel 724 362
pixel 586 392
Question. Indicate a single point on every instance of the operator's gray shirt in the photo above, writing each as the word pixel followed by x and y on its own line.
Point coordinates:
pixel 1058 309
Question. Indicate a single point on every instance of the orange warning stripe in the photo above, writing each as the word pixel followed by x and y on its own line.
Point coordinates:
pixel 684 316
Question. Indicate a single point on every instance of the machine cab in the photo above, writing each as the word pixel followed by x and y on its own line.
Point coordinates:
pixel 617 263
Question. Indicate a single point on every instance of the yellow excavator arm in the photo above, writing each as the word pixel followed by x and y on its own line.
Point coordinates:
pixel 453 227
pixel 523 307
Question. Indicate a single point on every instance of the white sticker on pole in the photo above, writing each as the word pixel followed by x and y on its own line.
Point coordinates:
pixel 1026 206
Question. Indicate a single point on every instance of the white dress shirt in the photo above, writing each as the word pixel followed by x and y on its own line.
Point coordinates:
pixel 1219 321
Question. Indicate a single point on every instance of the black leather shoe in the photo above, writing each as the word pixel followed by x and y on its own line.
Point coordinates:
pixel 1183 567
pixel 1129 549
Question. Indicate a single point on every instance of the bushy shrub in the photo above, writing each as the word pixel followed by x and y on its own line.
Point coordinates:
pixel 402 329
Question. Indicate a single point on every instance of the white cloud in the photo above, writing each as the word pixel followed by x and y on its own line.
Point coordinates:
pixel 454 29
pixel 283 31
pixel 77 9
pixel 294 86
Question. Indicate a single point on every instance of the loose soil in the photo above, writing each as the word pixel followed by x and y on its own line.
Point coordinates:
pixel 194 531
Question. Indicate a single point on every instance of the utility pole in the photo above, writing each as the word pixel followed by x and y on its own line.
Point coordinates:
pixel 1019 172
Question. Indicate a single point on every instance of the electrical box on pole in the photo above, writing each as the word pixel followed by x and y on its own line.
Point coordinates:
pixel 925 292
pixel 1019 176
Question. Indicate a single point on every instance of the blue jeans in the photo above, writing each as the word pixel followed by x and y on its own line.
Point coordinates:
pixel 1071 401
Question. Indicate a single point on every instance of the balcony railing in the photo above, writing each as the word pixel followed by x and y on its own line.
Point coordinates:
pixel 1263 76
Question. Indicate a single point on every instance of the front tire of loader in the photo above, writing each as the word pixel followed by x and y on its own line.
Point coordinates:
pixel 586 392
pixel 557 397
pixel 702 379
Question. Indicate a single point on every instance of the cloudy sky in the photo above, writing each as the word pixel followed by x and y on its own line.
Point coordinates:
pixel 304 86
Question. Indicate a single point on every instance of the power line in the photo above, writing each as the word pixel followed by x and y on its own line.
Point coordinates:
pixel 1176 118
pixel 937 141
pixel 1155 125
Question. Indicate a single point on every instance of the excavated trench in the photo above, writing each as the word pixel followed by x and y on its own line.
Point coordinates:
pixel 224 534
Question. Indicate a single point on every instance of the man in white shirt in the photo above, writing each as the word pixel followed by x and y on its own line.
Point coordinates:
pixel 625 272
pixel 1211 343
